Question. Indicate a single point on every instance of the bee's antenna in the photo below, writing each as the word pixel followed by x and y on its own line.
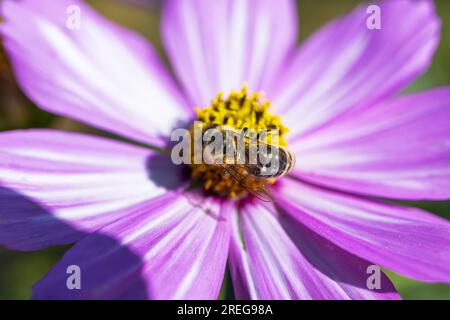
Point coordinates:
pixel 244 133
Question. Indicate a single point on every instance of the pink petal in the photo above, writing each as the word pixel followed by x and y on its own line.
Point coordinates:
pixel 54 186
pixel 218 45
pixel 408 241
pixel 346 65
pixel 397 149
pixel 274 257
pixel 102 74
pixel 168 248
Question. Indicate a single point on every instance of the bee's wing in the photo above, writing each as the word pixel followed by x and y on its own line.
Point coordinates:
pixel 290 156
pixel 261 192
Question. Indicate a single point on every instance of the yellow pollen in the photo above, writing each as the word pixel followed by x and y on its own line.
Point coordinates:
pixel 241 109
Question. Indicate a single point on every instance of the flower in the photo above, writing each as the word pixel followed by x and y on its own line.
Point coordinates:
pixel 141 233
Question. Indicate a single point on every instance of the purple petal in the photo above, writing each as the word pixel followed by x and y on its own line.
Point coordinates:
pixel 408 241
pixel 218 45
pixel 169 248
pixel 274 257
pixel 55 185
pixel 397 149
pixel 346 65
pixel 101 74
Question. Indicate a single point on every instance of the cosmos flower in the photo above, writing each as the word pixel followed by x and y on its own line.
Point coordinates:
pixel 140 228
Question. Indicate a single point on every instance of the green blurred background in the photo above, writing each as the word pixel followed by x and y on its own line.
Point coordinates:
pixel 19 271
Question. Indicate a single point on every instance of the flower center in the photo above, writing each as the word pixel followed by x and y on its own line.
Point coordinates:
pixel 241 110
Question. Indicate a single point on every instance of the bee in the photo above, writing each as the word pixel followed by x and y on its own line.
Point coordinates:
pixel 269 162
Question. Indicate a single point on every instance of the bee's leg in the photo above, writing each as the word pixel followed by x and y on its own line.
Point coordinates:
pixel 225 172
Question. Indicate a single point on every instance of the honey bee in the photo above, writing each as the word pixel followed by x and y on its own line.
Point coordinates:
pixel 269 162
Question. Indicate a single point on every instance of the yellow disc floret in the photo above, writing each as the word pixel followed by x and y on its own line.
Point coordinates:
pixel 241 109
